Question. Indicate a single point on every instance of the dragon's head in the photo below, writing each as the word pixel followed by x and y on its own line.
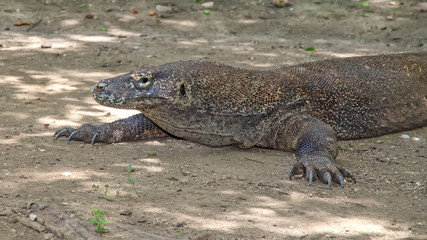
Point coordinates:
pixel 146 88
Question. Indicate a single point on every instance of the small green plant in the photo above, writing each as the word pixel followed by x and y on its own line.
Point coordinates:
pixel 102 195
pixel 119 197
pixel 152 154
pixel 310 49
pixel 172 178
pixel 132 181
pixel 99 220
pixel 364 4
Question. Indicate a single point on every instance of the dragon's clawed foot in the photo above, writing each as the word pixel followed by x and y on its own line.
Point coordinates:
pixel 322 167
pixel 87 133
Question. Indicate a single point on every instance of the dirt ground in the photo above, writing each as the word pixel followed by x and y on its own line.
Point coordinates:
pixel 190 191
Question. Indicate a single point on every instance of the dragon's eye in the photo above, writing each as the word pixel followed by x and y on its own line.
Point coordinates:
pixel 142 79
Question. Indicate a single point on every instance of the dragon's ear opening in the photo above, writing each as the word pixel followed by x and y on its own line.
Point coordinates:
pixel 182 90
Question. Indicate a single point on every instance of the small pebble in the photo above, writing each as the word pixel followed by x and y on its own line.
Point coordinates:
pixel 208 4
pixel 280 3
pixel 48 236
pixel 405 136
pixel 32 217
pixel 12 219
pixel 416 139
pixel 125 212
pixel 162 8
pixel 6 212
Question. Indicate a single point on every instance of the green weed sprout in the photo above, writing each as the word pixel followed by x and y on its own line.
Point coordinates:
pixel 99 220
pixel 132 181
pixel 118 196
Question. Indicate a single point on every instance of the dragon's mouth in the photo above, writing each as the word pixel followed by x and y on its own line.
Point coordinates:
pixel 149 101
pixel 117 100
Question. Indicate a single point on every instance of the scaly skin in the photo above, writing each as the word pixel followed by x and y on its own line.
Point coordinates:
pixel 304 108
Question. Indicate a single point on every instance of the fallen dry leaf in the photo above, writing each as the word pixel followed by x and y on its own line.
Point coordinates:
pixel 22 23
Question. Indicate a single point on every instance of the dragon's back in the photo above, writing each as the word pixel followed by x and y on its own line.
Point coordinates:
pixel 366 96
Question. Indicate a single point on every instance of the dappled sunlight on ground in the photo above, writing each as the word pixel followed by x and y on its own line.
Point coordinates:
pixel 16 115
pixel 153 169
pixel 247 21
pixel 118 32
pixel 60 123
pixel 280 218
pixel 152 165
pixel 260 65
pixel 36 83
pixel 18 138
pixel 70 174
pixel 116 112
pixel 34 43
pixel 94 38
pixel 153 143
pixel 182 25
pixel 150 160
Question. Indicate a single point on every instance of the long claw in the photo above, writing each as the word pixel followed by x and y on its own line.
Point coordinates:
pixel 60 133
pixel 328 177
pixel 72 135
pixel 310 175
pixel 347 173
pixel 59 130
pixel 341 180
pixel 94 138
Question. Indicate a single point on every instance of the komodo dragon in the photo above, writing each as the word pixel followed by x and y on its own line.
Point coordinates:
pixel 303 108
